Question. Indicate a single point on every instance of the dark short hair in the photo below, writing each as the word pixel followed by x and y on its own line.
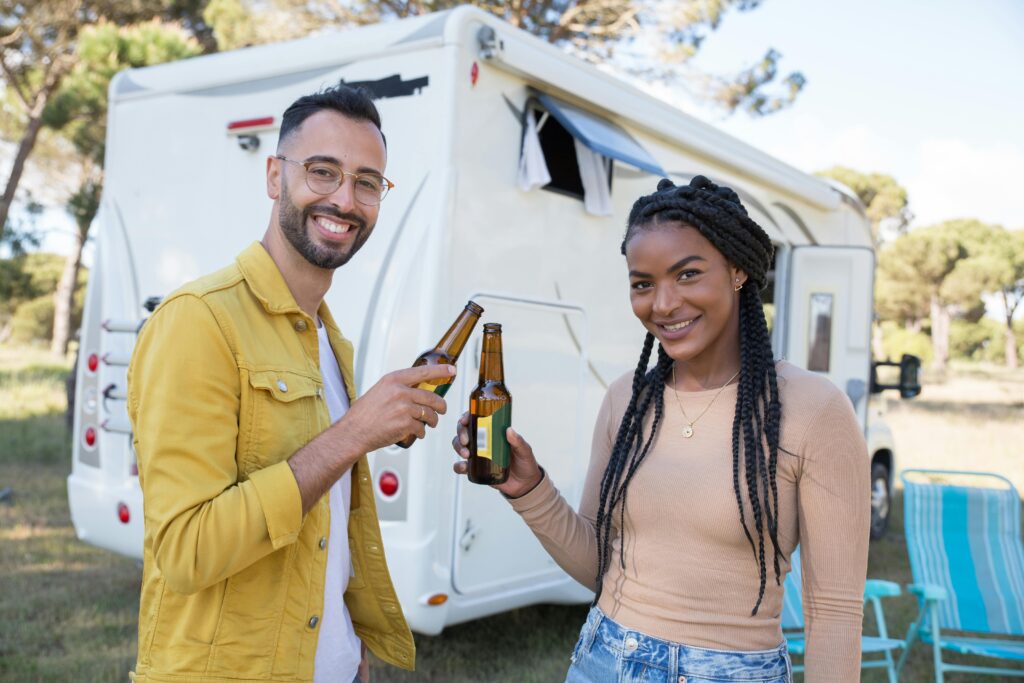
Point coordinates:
pixel 355 103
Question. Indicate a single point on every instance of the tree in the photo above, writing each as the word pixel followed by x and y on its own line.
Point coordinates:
pixel 996 265
pixel 884 199
pixel 37 50
pixel 79 112
pixel 654 40
pixel 924 270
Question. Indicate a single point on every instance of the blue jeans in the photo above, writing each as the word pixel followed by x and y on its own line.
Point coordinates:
pixel 607 653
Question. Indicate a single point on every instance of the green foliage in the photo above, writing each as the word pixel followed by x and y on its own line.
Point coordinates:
pixel 933 262
pixel 27 284
pixel 884 199
pixel 79 109
pixel 33 321
pixel 897 341
pixel 967 339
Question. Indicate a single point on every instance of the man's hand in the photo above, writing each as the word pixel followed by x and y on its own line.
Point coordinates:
pixel 390 411
pixel 393 408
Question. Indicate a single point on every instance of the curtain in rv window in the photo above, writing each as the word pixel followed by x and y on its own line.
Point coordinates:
pixel 568 150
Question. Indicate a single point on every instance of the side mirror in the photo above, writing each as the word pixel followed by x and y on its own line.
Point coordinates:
pixel 909 384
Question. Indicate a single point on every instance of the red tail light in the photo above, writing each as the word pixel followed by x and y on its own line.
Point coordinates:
pixel 93 362
pixel 90 437
pixel 123 513
pixel 387 482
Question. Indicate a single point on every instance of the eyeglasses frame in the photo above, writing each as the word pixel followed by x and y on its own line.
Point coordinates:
pixel 388 185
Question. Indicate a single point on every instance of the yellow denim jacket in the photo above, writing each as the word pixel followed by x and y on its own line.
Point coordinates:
pixel 223 387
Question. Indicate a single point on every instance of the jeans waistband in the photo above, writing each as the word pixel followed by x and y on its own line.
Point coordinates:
pixel 683 659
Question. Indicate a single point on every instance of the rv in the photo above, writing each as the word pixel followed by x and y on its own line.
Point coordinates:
pixel 515 167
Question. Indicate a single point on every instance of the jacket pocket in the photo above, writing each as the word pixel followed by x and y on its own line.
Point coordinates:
pixel 277 416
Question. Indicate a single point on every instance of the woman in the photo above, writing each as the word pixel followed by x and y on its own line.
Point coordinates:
pixel 707 471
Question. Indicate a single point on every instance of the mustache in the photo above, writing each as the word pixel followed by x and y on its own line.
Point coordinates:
pixel 325 210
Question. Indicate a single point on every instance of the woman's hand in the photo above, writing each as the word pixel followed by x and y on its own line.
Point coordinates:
pixel 524 472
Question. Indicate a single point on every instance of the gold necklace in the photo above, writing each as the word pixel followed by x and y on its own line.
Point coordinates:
pixel 688 429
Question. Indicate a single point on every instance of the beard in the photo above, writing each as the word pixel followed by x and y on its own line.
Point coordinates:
pixel 293 221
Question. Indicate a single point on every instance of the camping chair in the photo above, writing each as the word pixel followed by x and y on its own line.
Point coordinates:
pixel 874 591
pixel 967 560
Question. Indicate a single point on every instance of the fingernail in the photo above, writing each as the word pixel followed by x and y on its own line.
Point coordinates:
pixel 451 369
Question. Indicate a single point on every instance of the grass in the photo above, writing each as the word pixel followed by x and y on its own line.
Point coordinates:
pixel 68 611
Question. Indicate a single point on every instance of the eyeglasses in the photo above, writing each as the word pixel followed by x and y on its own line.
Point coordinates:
pixel 323 177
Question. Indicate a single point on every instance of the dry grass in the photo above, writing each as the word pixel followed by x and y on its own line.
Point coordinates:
pixel 68 611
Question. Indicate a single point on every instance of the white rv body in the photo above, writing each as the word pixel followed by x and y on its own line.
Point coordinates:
pixel 184 194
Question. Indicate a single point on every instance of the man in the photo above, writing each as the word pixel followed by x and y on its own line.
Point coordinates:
pixel 263 557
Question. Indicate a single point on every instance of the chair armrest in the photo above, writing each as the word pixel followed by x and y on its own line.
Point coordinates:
pixel 877 588
pixel 927 591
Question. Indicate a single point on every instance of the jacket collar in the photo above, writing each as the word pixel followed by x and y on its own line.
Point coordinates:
pixel 265 280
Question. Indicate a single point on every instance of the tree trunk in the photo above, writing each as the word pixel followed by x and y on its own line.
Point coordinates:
pixel 54 74
pixel 64 298
pixel 940 333
pixel 1011 338
pixel 28 141
pixel 1011 347
pixel 877 342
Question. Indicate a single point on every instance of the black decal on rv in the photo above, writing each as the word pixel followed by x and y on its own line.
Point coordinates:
pixel 391 86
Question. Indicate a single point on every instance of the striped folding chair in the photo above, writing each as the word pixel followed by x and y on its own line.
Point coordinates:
pixel 874 591
pixel 967 561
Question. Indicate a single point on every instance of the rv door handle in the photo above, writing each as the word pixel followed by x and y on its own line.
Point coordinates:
pixel 468 536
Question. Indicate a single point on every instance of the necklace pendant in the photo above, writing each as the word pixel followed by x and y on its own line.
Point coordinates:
pixel 688 431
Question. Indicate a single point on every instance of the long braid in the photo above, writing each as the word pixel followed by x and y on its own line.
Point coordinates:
pixel 716 212
pixel 627 434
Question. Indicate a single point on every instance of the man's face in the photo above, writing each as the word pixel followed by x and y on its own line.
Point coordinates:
pixel 327 230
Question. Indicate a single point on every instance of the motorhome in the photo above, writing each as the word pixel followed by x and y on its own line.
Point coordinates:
pixel 515 167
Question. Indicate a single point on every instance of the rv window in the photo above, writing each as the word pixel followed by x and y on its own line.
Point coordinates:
pixel 560 156
pixel 820 342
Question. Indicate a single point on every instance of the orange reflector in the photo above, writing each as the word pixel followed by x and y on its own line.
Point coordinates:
pixel 437 599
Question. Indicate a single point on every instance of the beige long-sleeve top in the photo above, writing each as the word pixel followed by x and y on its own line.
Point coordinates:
pixel 690 576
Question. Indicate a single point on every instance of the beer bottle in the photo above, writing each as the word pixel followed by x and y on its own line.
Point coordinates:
pixel 446 352
pixel 490 414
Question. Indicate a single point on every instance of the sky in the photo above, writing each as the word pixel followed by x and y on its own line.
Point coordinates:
pixel 928 91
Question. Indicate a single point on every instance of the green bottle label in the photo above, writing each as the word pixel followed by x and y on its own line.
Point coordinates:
pixel 491 442
pixel 439 389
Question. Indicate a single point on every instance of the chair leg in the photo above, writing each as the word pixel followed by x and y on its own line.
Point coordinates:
pixel 936 644
pixel 883 631
pixel 912 635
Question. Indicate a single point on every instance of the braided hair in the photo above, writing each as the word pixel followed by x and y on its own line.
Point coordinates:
pixel 716 212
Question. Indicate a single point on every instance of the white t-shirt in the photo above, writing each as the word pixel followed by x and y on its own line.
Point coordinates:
pixel 338 650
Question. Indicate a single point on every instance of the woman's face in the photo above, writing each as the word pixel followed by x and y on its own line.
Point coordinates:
pixel 683 291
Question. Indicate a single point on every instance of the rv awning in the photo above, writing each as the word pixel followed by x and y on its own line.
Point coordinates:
pixel 600 135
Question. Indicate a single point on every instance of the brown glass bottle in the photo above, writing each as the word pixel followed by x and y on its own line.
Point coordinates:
pixel 446 352
pixel 490 415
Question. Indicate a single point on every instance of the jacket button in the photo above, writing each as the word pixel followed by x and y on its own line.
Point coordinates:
pixel 281 385
pixel 300 325
pixel 389 607
pixel 631 644
pixel 313 621
pixel 323 543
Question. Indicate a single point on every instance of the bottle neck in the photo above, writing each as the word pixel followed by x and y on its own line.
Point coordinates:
pixel 457 335
pixel 491 367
